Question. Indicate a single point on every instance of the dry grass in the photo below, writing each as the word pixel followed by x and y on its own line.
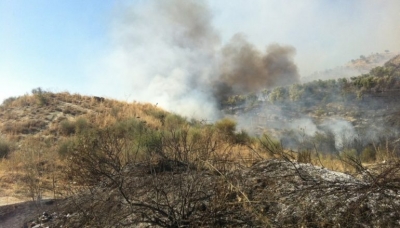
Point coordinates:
pixel 10 189
pixel 25 116
pixel 29 124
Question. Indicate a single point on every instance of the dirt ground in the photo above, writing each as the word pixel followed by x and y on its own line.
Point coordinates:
pixel 10 200
pixel 17 215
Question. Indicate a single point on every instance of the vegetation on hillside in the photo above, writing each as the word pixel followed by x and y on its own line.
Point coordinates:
pixel 380 81
pixel 357 113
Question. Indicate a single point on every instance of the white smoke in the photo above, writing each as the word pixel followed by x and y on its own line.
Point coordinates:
pixel 343 131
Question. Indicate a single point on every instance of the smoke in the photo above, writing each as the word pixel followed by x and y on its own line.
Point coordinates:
pixel 169 52
pixel 342 130
pixel 326 34
pixel 245 69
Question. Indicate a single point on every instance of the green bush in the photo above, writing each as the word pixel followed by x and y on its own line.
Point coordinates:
pixel 174 121
pixel 279 94
pixel 242 138
pixel 226 128
pixel 81 124
pixel 368 155
pixel 270 146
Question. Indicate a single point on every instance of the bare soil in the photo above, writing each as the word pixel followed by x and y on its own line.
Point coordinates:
pixel 20 214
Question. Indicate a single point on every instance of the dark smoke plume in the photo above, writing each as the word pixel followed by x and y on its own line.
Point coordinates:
pixel 244 69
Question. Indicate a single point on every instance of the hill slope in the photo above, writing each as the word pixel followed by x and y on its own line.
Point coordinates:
pixel 363 108
pixel 353 68
pixel 43 113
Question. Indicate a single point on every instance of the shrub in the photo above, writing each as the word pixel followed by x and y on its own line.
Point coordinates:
pixel 24 127
pixel 368 155
pixel 81 124
pixel 324 141
pixel 65 148
pixel 226 127
pixel 5 149
pixel 279 94
pixel 40 96
pixel 270 146
pixel 9 101
pixel 304 156
pixel 67 128
pixel 174 121
pixel 164 188
pixel 242 138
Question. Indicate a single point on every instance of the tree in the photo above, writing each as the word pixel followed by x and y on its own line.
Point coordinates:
pixel 296 92
pixel 279 94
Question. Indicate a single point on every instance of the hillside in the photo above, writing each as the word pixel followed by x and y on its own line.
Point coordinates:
pixel 319 154
pixel 45 114
pixel 352 68
pixel 360 110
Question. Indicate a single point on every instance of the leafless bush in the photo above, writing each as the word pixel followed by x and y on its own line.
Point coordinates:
pixel 132 175
pixel 36 164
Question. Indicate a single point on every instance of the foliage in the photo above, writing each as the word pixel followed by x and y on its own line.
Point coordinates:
pixel 279 94
pixel 243 138
pixel 325 141
pixel 296 92
pixel 320 92
pixel 226 127
pixel 174 121
pixel 5 149
pixel 304 156
pixel 81 124
pixel 65 148
pixel 270 146
pixel 236 100
pixel 67 127
pixel 252 99
pixel 368 154
pixel 41 96
pixel 9 101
